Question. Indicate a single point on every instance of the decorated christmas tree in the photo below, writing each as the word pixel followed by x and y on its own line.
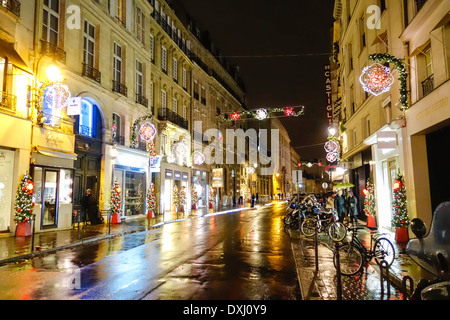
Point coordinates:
pixel 151 200
pixel 194 198
pixel 176 198
pixel 400 217
pixel 211 197
pixel 183 198
pixel 369 200
pixel 116 200
pixel 24 200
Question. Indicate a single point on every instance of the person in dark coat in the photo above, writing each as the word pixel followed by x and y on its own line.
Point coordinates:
pixel 90 207
pixel 339 205
pixel 352 208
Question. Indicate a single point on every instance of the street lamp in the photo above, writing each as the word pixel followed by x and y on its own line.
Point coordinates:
pixel 331 131
pixel 53 73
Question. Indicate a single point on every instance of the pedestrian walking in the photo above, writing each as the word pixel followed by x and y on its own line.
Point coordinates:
pixel 339 205
pixel 352 208
pixel 90 207
pixel 330 201
pixel 253 200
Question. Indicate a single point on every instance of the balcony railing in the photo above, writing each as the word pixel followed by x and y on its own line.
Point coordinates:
pixel 119 88
pixel 49 49
pixel 165 114
pixel 12 5
pixel 428 85
pixel 8 102
pixel 142 100
pixel 92 73
pixel 120 140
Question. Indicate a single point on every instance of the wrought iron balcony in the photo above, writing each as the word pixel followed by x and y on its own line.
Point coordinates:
pixel 428 85
pixel 92 73
pixel 142 100
pixel 119 88
pixel 11 5
pixel 165 114
pixel 49 49
pixel 8 102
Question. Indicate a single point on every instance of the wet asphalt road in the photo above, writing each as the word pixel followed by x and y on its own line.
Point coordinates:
pixel 244 255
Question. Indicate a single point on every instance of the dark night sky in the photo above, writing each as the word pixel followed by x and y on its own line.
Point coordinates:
pixel 252 28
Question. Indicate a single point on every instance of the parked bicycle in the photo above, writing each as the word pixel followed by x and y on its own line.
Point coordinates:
pixel 354 255
pixel 324 221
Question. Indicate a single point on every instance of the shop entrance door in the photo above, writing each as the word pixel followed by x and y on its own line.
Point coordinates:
pixel 87 176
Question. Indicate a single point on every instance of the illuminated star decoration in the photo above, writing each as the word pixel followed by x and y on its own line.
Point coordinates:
pixel 331 146
pixel 235 116
pixel 376 79
pixel 261 114
pixel 289 111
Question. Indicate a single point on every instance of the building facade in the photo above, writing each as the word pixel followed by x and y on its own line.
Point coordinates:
pixel 405 30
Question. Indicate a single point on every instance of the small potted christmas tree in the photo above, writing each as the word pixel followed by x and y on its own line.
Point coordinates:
pixel 24 206
pixel 369 204
pixel 211 198
pixel 176 199
pixel 182 198
pixel 194 199
pixel 116 203
pixel 400 219
pixel 151 202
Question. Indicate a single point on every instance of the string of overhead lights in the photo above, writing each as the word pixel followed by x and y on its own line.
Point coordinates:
pixel 265 113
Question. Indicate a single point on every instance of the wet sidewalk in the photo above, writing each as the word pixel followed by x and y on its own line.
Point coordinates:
pixel 17 248
pixel 323 284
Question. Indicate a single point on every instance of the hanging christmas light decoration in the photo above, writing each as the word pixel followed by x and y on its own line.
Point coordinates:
pixel 180 149
pixel 261 114
pixel 198 158
pixel 235 116
pixel 289 111
pixel 250 170
pixel 332 156
pixel 147 131
pixel 376 79
pixel 56 95
pixel 331 146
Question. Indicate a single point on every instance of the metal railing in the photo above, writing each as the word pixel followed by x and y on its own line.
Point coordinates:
pixel 119 88
pixel 165 114
pixel 12 6
pixel 428 85
pixel 92 73
pixel 141 100
pixel 51 49
pixel 8 102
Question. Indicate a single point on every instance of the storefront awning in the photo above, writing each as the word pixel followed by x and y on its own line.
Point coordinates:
pixel 7 51
pixel 56 153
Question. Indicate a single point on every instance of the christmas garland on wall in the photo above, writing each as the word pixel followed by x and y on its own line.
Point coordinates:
pixel 403 77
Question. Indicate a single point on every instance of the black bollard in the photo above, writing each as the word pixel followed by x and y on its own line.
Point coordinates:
pixel 338 273
pixel 384 274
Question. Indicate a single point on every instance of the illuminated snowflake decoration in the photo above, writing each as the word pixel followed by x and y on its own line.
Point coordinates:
pixel 180 149
pixel 376 79
pixel 56 95
pixel 289 111
pixel 251 170
pixel 147 131
pixel 198 158
pixel 235 116
pixel 261 114
pixel 331 146
pixel 332 156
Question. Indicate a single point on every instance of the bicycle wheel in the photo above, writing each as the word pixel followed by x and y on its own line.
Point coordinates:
pixel 308 227
pixel 384 250
pixel 337 231
pixel 350 259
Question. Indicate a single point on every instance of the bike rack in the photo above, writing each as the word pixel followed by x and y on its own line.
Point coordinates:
pixel 384 274
pixel 406 295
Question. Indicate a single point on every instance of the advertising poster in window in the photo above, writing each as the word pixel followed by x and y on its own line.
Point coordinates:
pixel 217 178
pixel 6 186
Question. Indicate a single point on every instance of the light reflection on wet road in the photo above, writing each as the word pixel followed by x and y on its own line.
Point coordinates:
pixel 239 255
